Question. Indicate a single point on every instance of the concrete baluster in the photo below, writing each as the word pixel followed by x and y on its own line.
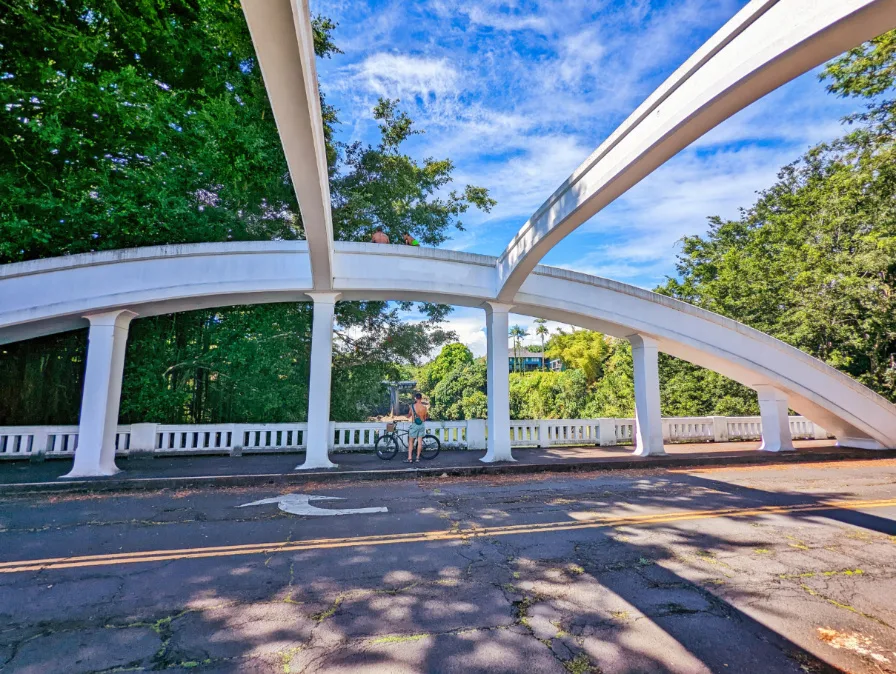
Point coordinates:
pixel 143 440
pixel 476 434
pixel 719 429
pixel 606 432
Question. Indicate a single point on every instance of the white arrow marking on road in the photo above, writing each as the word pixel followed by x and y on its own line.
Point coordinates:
pixel 298 504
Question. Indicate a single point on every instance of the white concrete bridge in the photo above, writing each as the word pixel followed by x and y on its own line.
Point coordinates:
pixel 766 44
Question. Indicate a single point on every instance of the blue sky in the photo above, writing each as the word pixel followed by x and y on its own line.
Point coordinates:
pixel 518 94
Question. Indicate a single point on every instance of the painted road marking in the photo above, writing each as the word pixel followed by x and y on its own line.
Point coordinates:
pixel 298 504
pixel 427 536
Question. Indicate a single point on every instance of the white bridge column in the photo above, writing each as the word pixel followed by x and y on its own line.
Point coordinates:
pixel 775 421
pixel 317 444
pixel 496 325
pixel 648 422
pixel 101 398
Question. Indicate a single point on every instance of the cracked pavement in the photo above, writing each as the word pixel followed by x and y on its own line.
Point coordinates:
pixel 698 570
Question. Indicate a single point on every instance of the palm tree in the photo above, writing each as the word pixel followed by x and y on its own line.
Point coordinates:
pixel 541 331
pixel 518 333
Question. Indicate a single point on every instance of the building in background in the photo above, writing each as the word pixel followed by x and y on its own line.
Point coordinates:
pixel 530 361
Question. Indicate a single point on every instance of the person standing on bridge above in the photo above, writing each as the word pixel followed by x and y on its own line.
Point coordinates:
pixel 379 236
pixel 410 240
pixel 418 415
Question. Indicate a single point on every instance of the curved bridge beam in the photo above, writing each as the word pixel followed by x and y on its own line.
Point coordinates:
pixel 768 43
pixel 53 295
pixel 284 43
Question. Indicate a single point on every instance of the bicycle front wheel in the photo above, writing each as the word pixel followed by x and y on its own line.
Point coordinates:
pixel 431 447
pixel 386 446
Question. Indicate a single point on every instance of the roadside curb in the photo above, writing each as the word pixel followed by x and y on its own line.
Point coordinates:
pixel 116 484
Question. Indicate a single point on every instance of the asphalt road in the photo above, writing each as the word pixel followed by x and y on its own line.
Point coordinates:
pixel 762 569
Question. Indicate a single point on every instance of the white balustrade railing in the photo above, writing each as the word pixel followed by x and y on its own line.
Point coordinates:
pixel 269 437
pixel 744 428
pixel 525 434
pixel 689 429
pixel 22 442
pixel 623 430
pixel 450 433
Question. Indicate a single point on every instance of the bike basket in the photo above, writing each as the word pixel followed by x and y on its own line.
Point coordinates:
pixel 390 428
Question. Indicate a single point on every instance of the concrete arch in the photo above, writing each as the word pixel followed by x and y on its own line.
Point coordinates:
pixel 767 43
pixel 284 44
pixel 53 295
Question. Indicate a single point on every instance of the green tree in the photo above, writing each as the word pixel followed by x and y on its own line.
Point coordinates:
pixel 813 261
pixel 378 186
pixel 548 395
pixel 582 350
pixel 688 390
pixel 459 394
pixel 613 393
pixel 450 358
pixel 541 331
pixel 517 333
pixel 148 123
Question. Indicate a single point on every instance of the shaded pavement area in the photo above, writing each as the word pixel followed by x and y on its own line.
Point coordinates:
pixel 271 468
pixel 773 568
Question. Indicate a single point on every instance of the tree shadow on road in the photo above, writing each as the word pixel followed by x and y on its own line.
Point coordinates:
pixel 689 596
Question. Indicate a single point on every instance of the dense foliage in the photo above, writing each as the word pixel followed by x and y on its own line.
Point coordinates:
pixel 597 382
pixel 813 262
pixel 148 123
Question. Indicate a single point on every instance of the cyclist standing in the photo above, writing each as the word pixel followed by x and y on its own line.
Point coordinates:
pixel 418 415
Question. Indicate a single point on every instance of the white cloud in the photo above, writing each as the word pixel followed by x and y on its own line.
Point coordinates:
pixel 636 237
pixel 517 93
pixel 469 324
pixel 486 15
pixel 400 75
pixel 581 54
pixel 520 184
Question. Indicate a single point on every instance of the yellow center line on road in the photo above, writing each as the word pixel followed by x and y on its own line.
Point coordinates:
pixel 427 536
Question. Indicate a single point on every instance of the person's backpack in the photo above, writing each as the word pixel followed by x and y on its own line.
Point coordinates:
pixel 417 420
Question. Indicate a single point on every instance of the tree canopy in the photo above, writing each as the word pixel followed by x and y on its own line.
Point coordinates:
pixel 148 123
pixel 813 261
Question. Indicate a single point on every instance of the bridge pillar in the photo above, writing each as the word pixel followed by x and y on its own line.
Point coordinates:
pixel 776 435
pixel 100 400
pixel 648 421
pixel 496 325
pixel 317 444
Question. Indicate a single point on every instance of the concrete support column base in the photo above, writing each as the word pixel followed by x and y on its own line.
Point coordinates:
pixel 496 324
pixel 319 438
pixel 648 422
pixel 776 435
pixel 98 423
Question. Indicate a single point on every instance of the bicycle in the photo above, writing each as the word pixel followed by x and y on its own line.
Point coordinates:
pixel 388 444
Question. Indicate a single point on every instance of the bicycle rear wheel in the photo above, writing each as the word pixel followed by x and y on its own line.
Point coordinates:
pixel 386 446
pixel 431 447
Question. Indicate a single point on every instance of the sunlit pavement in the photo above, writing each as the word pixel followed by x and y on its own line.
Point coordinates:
pixel 779 568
